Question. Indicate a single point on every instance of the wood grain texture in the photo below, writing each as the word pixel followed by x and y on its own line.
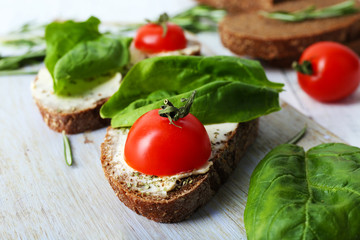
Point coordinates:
pixel 41 197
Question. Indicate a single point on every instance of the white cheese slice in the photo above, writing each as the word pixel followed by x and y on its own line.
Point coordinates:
pixel 192 47
pixel 42 91
pixel 160 186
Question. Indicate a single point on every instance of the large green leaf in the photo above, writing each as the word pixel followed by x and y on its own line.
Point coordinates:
pixel 79 69
pixel 298 195
pixel 77 55
pixel 229 89
pixel 61 37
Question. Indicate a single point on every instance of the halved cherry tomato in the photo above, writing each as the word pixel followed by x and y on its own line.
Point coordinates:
pixel 156 147
pixel 335 71
pixel 150 39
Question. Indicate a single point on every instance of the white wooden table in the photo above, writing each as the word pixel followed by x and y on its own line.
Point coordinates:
pixel 42 198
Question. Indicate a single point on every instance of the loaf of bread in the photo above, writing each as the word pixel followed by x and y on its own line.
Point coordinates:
pixel 175 198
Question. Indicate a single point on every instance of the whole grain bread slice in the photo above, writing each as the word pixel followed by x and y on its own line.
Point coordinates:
pixel 191 192
pixel 253 35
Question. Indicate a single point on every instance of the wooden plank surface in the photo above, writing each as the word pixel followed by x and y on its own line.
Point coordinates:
pixel 41 197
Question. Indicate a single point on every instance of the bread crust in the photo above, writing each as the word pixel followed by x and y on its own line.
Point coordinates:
pixel 179 204
pixel 73 122
pixel 272 40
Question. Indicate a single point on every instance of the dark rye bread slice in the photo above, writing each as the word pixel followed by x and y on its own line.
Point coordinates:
pixel 60 114
pixel 253 35
pixel 190 193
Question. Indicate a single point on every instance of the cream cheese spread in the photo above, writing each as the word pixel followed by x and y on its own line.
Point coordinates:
pixel 42 91
pixel 160 186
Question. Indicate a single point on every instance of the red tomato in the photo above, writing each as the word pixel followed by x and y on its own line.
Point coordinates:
pixel 150 39
pixel 156 147
pixel 336 71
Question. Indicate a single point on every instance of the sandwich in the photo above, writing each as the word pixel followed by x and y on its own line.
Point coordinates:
pixel 82 70
pixel 165 173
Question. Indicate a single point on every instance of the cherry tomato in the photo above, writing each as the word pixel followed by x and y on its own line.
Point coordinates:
pixel 336 71
pixel 150 38
pixel 156 147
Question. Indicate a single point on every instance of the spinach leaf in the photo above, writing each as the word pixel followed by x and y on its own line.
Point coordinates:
pixel 74 72
pixel 229 89
pixel 77 55
pixel 312 195
pixel 61 37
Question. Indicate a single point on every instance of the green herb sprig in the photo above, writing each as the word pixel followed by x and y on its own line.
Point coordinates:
pixel 18 72
pixel 67 149
pixel 16 62
pixel 337 10
pixel 298 136
pixel 196 19
pixel 199 19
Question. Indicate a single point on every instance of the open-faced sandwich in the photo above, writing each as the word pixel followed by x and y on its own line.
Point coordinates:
pixel 82 71
pixel 168 164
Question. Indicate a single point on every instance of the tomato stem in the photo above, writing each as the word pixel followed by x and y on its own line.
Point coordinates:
pixel 305 67
pixel 173 113
pixel 162 21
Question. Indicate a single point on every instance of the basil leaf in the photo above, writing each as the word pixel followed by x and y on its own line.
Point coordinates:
pixel 298 195
pixel 229 89
pixel 78 56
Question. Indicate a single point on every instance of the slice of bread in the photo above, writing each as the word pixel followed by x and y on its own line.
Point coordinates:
pixel 253 35
pixel 175 198
pixel 72 114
